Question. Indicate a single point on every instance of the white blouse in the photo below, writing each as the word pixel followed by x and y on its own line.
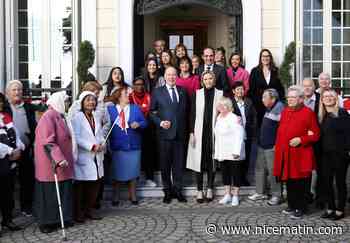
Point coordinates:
pixel 229 138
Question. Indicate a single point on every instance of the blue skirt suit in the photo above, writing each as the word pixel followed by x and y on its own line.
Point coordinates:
pixel 125 145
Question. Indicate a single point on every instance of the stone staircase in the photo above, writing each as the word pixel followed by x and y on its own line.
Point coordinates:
pixel 189 189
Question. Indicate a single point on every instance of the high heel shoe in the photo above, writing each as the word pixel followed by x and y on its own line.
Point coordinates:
pixel 200 198
pixel 209 195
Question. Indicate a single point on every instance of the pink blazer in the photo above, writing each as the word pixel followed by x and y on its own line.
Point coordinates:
pixel 191 84
pixel 241 75
pixel 52 129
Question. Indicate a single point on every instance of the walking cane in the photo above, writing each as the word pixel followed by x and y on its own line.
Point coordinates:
pixel 47 149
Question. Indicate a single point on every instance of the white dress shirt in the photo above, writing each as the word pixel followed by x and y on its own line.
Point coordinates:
pixel 240 105
pixel 210 67
pixel 311 102
pixel 170 92
pixel 126 113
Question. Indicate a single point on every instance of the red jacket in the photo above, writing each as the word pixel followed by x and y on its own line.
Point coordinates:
pixel 295 162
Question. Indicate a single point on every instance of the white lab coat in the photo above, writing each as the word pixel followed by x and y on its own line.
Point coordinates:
pixel 85 167
pixel 229 138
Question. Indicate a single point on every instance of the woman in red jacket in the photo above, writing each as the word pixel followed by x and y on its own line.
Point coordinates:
pixel 294 156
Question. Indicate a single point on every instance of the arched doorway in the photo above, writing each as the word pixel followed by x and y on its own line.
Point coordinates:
pixel 196 23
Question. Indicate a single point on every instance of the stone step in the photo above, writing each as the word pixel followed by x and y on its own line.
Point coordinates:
pixel 189 188
pixel 188 191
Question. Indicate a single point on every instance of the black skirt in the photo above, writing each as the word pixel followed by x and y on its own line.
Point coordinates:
pixel 46 205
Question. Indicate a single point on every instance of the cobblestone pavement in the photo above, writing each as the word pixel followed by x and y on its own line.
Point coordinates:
pixel 153 221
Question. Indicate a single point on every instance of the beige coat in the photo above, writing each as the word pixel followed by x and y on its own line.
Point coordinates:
pixel 194 154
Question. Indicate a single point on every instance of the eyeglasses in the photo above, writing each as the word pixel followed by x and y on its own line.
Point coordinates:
pixel 292 97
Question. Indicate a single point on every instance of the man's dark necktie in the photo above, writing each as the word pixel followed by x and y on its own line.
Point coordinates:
pixel 173 96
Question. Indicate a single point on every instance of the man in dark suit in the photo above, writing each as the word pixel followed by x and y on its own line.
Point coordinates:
pixel 312 100
pixel 222 82
pixel 168 112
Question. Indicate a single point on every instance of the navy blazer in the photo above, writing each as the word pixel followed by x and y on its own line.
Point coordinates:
pixel 162 109
pixel 250 114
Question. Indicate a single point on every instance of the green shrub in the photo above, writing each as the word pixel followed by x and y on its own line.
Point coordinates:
pixel 289 58
pixel 85 61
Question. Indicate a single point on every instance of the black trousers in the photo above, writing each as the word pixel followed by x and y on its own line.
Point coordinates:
pixel 149 154
pixel 245 165
pixel 172 164
pixel 231 172
pixel 106 167
pixel 6 197
pixel 296 193
pixel 26 177
pixel 211 179
pixel 85 194
pixel 335 165
pixel 320 187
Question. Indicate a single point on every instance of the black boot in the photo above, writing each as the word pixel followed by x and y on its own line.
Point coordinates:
pixel 167 197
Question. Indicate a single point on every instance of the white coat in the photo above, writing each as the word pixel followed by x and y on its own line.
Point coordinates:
pixel 229 138
pixel 194 154
pixel 85 167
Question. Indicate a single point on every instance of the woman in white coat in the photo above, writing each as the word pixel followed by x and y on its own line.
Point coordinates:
pixel 201 145
pixel 88 168
pixel 229 149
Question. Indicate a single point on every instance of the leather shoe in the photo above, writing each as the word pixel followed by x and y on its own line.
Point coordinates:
pixel 167 197
pixel 68 224
pixel 338 216
pixel 115 203
pixel 327 215
pixel 11 226
pixel 93 216
pixel 46 229
pixel 80 219
pixel 180 197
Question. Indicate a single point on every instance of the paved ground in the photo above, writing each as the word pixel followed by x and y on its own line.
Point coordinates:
pixel 153 221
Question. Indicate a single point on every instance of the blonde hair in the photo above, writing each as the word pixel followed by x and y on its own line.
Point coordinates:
pixel 225 102
pixel 92 86
pixel 205 73
pixel 322 109
pixel 13 82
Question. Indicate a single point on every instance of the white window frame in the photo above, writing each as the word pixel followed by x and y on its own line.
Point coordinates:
pixel 12 60
pixel 327 40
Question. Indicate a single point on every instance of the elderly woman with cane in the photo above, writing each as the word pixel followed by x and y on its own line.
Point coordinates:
pixel 53 143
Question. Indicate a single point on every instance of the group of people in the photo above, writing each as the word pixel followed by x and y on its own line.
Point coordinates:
pixel 180 113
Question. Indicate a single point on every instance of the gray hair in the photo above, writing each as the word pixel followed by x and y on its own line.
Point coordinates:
pixel 296 88
pixel 309 79
pixel 225 102
pixel 326 75
pixel 13 82
pixel 272 93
